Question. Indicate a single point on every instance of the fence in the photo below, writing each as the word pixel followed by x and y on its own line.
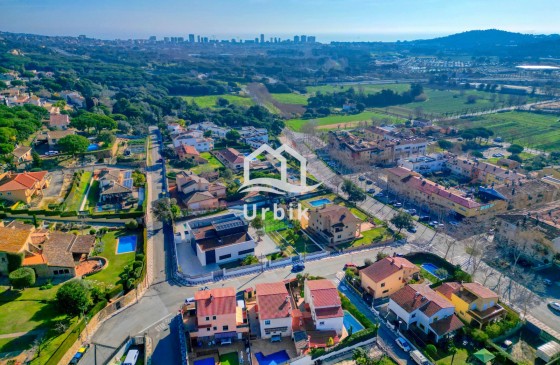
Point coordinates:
pixel 178 322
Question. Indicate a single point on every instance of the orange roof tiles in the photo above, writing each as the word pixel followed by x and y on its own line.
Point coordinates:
pixel 215 302
pixel 382 269
pixel 273 300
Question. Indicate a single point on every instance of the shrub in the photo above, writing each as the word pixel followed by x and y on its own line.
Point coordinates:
pixel 74 297
pixel 139 257
pixel 132 224
pixel 431 350
pixel 479 335
pixel 14 261
pixel 24 277
pixel 92 231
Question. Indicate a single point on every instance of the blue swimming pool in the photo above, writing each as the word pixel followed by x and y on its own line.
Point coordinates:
pixel 351 323
pixel 126 244
pixel 93 147
pixel 207 361
pixel 277 358
pixel 431 268
pixel 320 202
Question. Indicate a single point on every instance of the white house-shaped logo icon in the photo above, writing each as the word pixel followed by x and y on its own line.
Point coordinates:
pixel 276 186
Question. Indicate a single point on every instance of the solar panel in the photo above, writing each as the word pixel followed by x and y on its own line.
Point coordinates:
pixel 127 174
pixel 128 183
pixel 229 225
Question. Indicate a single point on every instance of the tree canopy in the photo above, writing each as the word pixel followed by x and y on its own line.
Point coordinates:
pixel 73 297
pixel 73 144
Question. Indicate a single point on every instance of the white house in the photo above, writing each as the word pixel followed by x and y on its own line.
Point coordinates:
pixel 193 139
pixel 425 164
pixel 419 305
pixel 324 304
pixel 274 308
pixel 217 239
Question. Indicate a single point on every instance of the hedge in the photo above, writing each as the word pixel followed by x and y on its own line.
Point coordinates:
pixel 347 305
pixel 73 335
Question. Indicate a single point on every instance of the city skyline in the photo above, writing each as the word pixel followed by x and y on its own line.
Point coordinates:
pixel 343 20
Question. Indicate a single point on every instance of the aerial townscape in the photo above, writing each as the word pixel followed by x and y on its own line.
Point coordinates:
pixel 223 193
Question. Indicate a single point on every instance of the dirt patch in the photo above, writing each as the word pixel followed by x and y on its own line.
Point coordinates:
pixel 340 125
pixel 259 93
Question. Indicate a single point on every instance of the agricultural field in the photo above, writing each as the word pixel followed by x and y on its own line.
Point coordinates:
pixel 209 101
pixel 366 88
pixel 296 99
pixel 440 102
pixel 344 121
pixel 540 131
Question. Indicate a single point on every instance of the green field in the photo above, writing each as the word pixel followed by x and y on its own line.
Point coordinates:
pixel 297 99
pixel 440 102
pixel 209 101
pixel 76 195
pixel 368 89
pixel 540 131
pixel 117 262
pixel 344 121
pixel 212 165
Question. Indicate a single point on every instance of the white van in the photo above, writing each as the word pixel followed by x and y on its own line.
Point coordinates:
pixel 131 357
pixel 419 358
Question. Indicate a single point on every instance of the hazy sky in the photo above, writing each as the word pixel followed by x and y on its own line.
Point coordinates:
pixel 328 19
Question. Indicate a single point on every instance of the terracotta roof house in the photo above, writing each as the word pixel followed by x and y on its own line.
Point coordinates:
pixel 334 223
pixel 59 121
pixel 386 276
pixel 22 186
pixel 474 303
pixel 216 315
pixel 231 157
pixel 187 152
pixel 197 193
pixel 274 308
pixel 420 306
pixel 324 303
pixel 49 254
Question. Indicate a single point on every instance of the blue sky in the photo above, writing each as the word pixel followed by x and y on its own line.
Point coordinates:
pixel 328 19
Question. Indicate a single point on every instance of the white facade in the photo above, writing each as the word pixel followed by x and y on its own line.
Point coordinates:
pixel 228 253
pixel 201 144
pixel 323 324
pixel 276 326
pixel 425 164
pixel 419 317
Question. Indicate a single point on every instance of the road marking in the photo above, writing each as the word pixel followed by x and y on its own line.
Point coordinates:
pixel 158 321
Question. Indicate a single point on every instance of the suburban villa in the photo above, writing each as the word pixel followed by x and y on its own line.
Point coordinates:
pixel 334 223
pixel 22 186
pixel 386 276
pixel 474 303
pixel 231 157
pixel 116 186
pixel 418 307
pixel 197 193
pixel 324 304
pixel 274 308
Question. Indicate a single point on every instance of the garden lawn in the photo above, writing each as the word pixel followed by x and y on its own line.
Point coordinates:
pixel 117 262
pixel 229 359
pixel 377 234
pixel 93 195
pixel 460 358
pixel 342 121
pixel 271 224
pixel 209 101
pixel 27 310
pixel 366 88
pixel 213 163
pixel 540 131
pixel 300 243
pixel 76 195
pixel 297 99
pixel 16 343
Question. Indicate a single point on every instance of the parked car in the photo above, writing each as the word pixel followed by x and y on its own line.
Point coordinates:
pixel 349 264
pixel 298 268
pixel 371 191
pixel 411 211
pixel 361 178
pixel 454 223
pixel 160 160
pixel 412 229
pixel 547 282
pixel 554 305
pixel 434 223
pixel 398 205
pixel 380 194
pixel 403 344
pixel 424 218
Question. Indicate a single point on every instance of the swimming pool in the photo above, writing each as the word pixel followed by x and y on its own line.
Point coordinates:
pixel 126 244
pixel 350 322
pixel 319 202
pixel 277 358
pixel 431 268
pixel 93 147
pixel 207 361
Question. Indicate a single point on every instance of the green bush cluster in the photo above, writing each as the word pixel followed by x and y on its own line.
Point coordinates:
pixel 132 274
pixel 21 278
pixel 348 306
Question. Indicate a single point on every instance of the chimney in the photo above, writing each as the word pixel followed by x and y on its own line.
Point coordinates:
pixel 211 297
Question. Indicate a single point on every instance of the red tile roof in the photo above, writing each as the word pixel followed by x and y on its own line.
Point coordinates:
pixel 215 302
pixel 59 120
pixel 479 290
pixel 415 296
pixel 332 312
pixel 324 294
pixel 382 269
pixel 22 181
pixel 447 289
pixel 446 325
pixel 231 155
pixel 273 301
